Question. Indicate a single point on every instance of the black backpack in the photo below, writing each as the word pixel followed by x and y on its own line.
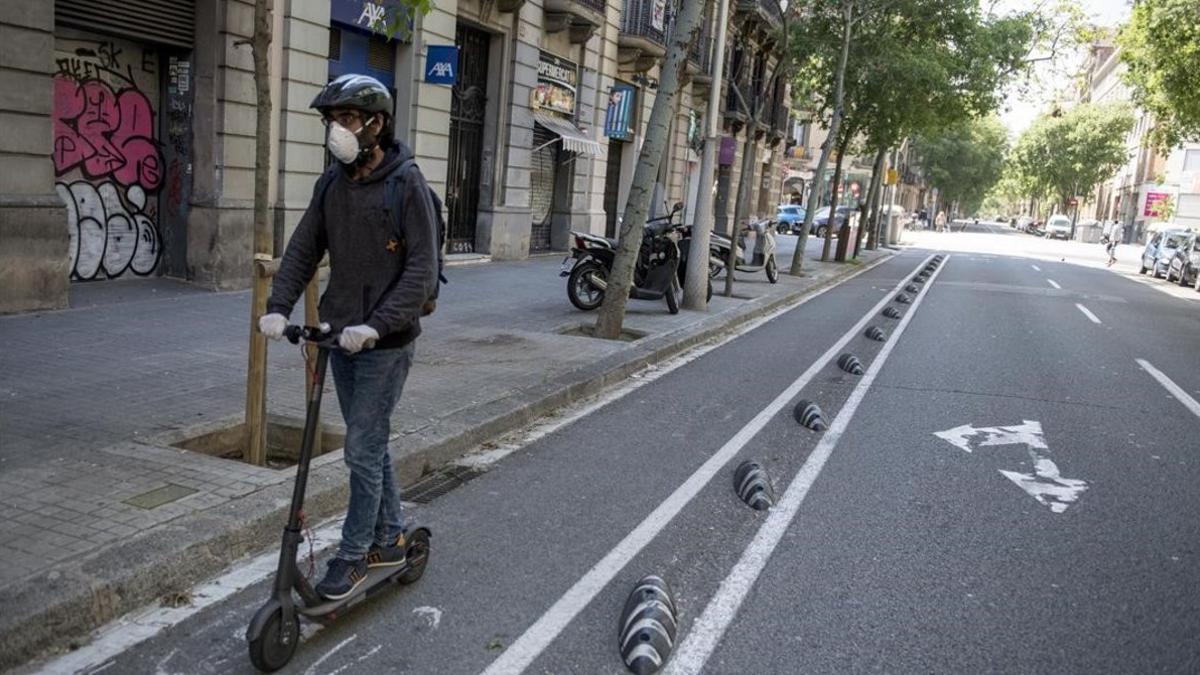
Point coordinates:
pixel 392 195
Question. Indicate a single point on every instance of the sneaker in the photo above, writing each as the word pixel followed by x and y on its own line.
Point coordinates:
pixel 387 556
pixel 342 578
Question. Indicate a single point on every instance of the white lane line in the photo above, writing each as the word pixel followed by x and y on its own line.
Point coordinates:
pixel 1088 313
pixel 1053 283
pixel 704 635
pixel 1036 268
pixel 542 633
pixel 1176 391
pixel 143 624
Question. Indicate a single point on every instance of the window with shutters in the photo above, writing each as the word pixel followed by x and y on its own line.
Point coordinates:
pixel 335 44
pixel 381 55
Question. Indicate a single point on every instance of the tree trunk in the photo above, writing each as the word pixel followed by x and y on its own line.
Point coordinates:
pixel 741 204
pixel 827 146
pixel 872 210
pixel 833 199
pixel 695 290
pixel 612 311
pixel 255 427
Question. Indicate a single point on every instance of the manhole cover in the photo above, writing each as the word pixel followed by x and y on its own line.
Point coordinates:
pixel 159 496
pixel 439 483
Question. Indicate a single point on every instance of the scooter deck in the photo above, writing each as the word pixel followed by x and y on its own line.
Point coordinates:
pixel 377 578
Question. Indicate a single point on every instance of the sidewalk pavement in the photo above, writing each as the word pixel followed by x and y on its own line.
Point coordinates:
pixel 100 514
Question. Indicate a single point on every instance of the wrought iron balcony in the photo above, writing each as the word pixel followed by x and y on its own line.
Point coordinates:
pixel 700 55
pixel 643 37
pixel 765 11
pixel 581 17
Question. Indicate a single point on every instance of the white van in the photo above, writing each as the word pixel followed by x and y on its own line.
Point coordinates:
pixel 1058 227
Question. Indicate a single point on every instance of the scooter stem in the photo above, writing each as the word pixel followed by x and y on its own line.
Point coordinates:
pixel 312 421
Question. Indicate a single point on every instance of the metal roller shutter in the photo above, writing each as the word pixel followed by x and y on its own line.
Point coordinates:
pixel 165 22
pixel 541 186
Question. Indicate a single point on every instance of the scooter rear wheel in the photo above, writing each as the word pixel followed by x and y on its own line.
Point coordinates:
pixel 418 555
pixel 276 644
pixel 580 290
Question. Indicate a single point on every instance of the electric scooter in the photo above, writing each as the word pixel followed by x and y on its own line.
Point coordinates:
pixel 274 631
pixel 763 236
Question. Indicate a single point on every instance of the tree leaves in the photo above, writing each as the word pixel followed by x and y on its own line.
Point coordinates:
pixel 1161 48
pixel 1068 155
pixel 964 161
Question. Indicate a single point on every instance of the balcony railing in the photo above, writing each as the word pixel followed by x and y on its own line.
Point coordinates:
pixel 597 5
pixel 766 10
pixel 639 20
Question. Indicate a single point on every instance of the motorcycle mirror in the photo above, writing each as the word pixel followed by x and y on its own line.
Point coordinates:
pixel 678 206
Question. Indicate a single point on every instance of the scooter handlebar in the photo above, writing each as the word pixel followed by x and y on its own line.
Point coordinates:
pixel 321 334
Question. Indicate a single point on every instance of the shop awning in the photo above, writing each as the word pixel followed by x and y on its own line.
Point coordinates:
pixel 573 138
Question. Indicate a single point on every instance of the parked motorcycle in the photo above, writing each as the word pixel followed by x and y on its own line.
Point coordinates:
pixel 759 237
pixel 590 263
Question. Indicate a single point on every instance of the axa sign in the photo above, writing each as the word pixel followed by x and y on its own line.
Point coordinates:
pixel 378 16
pixel 441 64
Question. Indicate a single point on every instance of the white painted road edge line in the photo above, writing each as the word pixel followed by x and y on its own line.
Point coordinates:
pixel 140 625
pixel 1176 391
pixel 522 652
pixel 1054 283
pixel 1035 268
pixel 1088 313
pixel 704 635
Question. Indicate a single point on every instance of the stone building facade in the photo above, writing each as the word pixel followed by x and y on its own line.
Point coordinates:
pixel 127 126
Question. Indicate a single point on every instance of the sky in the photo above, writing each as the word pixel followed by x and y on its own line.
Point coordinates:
pixel 1022 112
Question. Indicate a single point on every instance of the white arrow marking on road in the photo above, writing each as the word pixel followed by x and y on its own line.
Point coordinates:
pixel 1029 433
pixel 1046 485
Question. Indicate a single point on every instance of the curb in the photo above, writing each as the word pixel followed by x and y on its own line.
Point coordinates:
pixel 58 610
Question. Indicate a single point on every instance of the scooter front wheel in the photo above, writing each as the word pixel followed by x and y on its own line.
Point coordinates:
pixel 673 297
pixel 275 644
pixel 772 270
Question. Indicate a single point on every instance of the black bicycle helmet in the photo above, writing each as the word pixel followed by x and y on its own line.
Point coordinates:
pixel 361 92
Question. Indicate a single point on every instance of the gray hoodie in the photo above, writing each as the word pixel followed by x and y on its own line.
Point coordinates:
pixel 377 276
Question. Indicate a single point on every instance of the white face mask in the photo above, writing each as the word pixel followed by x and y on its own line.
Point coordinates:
pixel 343 143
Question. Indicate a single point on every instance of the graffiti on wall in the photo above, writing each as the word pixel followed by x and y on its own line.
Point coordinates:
pixel 107 156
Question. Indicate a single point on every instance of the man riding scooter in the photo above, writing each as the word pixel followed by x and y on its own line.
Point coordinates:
pixel 379 281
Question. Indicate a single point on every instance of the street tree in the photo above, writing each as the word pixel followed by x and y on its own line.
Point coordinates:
pixel 1161 48
pixel 964 161
pixel 1068 154
pixel 913 66
pixel 254 427
pixel 612 310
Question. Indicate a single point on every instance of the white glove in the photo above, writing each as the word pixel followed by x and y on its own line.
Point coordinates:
pixel 355 338
pixel 272 325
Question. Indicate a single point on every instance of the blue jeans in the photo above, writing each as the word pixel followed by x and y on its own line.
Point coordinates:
pixel 368 387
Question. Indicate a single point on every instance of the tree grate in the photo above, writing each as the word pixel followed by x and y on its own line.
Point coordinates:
pixel 439 483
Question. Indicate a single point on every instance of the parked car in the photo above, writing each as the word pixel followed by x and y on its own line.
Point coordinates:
pixel 1157 254
pixel 821 220
pixel 789 218
pixel 1185 263
pixel 1058 227
pixel 1023 223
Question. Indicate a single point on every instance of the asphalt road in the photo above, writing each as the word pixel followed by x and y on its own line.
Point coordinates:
pixel 889 548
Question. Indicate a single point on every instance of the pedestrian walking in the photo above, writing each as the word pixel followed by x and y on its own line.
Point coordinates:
pixel 383 272
pixel 940 222
pixel 1116 232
